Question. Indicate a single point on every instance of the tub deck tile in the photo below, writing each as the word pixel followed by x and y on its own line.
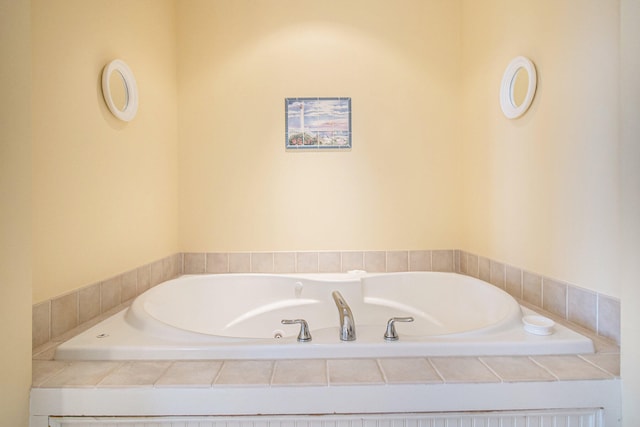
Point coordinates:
pixel 463 370
pixel 81 374
pixel 610 362
pixel 136 374
pixel 354 371
pixel 245 373
pixel 190 374
pixel 517 369
pixel 300 373
pixel 409 371
pixel 42 370
pixel 571 368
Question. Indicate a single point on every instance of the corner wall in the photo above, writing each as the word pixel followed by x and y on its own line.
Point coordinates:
pixel 15 214
pixel 397 188
pixel 541 191
pixel 104 191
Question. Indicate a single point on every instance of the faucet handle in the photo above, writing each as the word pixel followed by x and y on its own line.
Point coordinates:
pixel 391 334
pixel 304 334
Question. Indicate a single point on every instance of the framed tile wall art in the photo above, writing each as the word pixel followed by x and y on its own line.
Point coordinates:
pixel 318 123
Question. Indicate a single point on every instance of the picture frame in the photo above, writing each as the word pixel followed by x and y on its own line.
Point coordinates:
pixel 318 123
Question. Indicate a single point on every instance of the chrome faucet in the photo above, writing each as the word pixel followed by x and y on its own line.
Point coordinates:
pixel 347 325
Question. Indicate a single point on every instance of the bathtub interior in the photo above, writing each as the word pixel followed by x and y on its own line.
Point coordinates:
pixel 253 306
pixel 239 317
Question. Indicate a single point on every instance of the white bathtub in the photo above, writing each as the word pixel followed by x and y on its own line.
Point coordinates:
pixel 238 316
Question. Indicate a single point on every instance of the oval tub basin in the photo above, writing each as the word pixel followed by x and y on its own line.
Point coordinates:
pixel 238 316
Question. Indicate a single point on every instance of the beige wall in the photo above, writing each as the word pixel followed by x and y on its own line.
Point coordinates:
pixel 15 219
pixel 396 189
pixel 104 191
pixel 541 191
pixel 630 218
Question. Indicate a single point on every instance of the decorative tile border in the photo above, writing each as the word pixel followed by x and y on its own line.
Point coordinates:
pixel 596 312
pixel 319 262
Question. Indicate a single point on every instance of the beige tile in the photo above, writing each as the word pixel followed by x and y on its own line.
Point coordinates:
pixel 513 284
pixel 464 267
pixel 300 373
pixel 442 260
pixel 239 263
pixel 473 267
pixel 497 274
pixel 571 367
pixel 484 269
pixel 582 307
pixel 217 263
pixel 532 288
pixel 512 369
pixel 129 285
pixel 176 264
pixel 262 262
pixel 329 262
pixel 608 362
pixel 43 370
pixel 195 263
pixel 456 261
pixel 603 344
pixel 245 373
pixel 420 260
pixel 41 323
pixel 167 268
pixel 110 292
pixel 144 279
pixel 352 261
pixel 397 261
pixel 157 273
pixel 190 374
pixel 307 262
pixel 45 352
pixel 284 262
pixel 415 371
pixel 64 314
pixel 135 374
pixel 554 297
pixel 88 303
pixel 375 261
pixel 463 370
pixel 81 374
pixel 609 318
pixel 354 371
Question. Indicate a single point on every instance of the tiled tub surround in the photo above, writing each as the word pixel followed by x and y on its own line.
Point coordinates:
pixel 57 319
pixel 596 312
pixel 391 385
pixel 591 310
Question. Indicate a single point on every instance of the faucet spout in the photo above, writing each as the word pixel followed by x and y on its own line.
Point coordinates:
pixel 347 325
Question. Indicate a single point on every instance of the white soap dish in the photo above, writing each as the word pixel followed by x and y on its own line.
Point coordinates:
pixel 538 325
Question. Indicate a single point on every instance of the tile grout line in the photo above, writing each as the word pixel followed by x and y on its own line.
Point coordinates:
pixel 274 364
pixel 553 374
pixel 435 369
pixel 216 377
pixel 169 365
pixel 382 372
pixel 596 366
pixel 490 369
